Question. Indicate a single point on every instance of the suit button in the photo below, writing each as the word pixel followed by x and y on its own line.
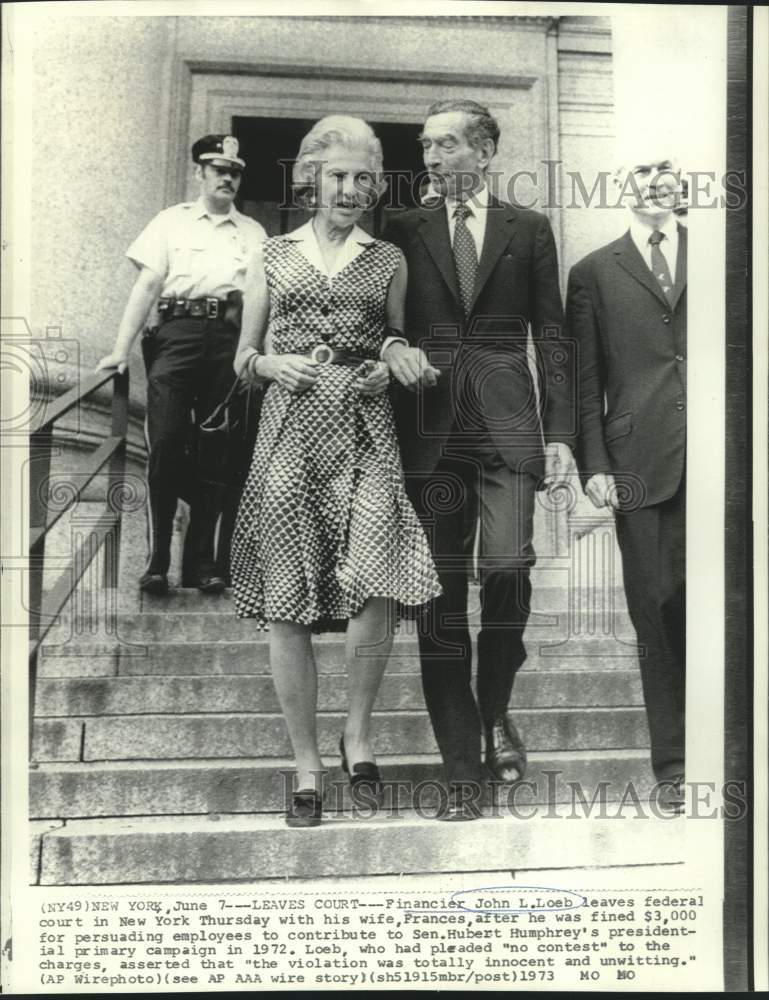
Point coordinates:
pixel 679 357
pixel 679 404
pixel 666 318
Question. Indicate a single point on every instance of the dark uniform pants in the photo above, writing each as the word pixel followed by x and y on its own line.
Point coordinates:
pixel 504 500
pixel 653 545
pixel 189 371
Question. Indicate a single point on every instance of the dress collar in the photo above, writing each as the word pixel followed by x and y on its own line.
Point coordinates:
pixel 357 240
pixel 307 232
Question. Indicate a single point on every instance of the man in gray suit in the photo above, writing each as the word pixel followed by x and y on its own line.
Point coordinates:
pixel 626 306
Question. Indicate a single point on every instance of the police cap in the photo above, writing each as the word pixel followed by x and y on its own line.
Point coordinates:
pixel 219 150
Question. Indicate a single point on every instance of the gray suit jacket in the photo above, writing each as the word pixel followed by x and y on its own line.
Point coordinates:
pixel 632 370
pixel 485 379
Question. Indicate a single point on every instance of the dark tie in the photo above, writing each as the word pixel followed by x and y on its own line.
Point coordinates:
pixel 465 255
pixel 660 265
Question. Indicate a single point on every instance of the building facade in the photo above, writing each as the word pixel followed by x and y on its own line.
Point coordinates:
pixel 117 101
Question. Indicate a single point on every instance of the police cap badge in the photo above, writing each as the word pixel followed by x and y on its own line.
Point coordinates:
pixel 220 150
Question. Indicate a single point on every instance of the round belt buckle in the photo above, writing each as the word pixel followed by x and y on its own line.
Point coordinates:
pixel 322 354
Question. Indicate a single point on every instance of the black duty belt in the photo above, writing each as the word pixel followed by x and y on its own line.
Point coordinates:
pixel 206 308
pixel 325 354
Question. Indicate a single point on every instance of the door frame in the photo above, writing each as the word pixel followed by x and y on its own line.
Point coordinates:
pixel 188 71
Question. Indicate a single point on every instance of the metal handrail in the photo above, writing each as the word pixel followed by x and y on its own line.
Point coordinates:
pixel 72 397
pixel 45 608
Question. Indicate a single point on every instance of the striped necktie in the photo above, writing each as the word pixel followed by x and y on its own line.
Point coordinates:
pixel 465 255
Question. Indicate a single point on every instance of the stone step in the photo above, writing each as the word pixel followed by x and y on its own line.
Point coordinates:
pixel 144 788
pixel 545 598
pixel 183 627
pixel 142 695
pixel 180 849
pixel 171 737
pixel 597 652
pixel 36 829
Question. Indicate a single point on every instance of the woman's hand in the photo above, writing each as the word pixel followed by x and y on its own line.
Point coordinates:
pixel 376 382
pixel 294 372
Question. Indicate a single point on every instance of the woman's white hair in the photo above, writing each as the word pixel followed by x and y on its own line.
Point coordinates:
pixel 336 130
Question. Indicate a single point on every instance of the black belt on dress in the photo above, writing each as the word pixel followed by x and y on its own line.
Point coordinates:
pixel 325 354
pixel 205 308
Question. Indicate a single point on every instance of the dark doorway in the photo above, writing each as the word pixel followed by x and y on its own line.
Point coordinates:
pixel 269 146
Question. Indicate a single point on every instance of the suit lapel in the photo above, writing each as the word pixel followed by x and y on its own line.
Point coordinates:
pixel 434 231
pixel 499 226
pixel 681 265
pixel 631 261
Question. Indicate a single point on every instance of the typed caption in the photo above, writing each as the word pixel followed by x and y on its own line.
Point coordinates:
pixel 490 937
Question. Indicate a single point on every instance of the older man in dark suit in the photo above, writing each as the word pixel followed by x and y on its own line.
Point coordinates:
pixel 481 275
pixel 626 306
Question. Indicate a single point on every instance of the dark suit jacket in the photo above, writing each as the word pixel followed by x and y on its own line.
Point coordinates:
pixel 632 347
pixel 485 380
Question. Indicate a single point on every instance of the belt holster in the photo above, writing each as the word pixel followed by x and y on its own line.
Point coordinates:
pixel 148 347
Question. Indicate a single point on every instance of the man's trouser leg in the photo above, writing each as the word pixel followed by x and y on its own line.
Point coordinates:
pixel 215 377
pixel 250 411
pixel 652 543
pixel 444 638
pixel 170 391
pixel 506 555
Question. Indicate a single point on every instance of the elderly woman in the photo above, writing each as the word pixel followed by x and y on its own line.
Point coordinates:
pixel 326 538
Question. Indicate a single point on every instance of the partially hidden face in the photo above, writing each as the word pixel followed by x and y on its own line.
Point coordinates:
pixel 455 167
pixel 652 187
pixel 345 184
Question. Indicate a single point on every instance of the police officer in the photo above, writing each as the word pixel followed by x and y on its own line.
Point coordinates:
pixel 192 261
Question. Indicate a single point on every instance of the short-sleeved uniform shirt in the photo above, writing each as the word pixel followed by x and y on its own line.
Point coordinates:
pixel 198 254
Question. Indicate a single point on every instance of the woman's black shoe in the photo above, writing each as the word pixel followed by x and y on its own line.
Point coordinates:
pixel 365 781
pixel 306 808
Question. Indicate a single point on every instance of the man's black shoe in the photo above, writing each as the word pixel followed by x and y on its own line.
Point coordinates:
pixel 210 583
pixel 154 583
pixel 505 752
pixel 670 794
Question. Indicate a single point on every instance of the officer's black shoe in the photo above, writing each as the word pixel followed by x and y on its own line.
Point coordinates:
pixel 210 583
pixel 153 583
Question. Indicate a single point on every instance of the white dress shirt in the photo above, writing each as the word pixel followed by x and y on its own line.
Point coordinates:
pixel 476 224
pixel 640 233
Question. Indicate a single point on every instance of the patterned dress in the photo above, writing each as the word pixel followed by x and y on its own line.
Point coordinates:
pixel 324 521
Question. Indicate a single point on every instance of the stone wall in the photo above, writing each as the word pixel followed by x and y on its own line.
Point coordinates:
pixel 111 115
pixel 115 101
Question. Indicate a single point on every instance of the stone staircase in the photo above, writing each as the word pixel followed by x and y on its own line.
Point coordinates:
pixel 159 746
